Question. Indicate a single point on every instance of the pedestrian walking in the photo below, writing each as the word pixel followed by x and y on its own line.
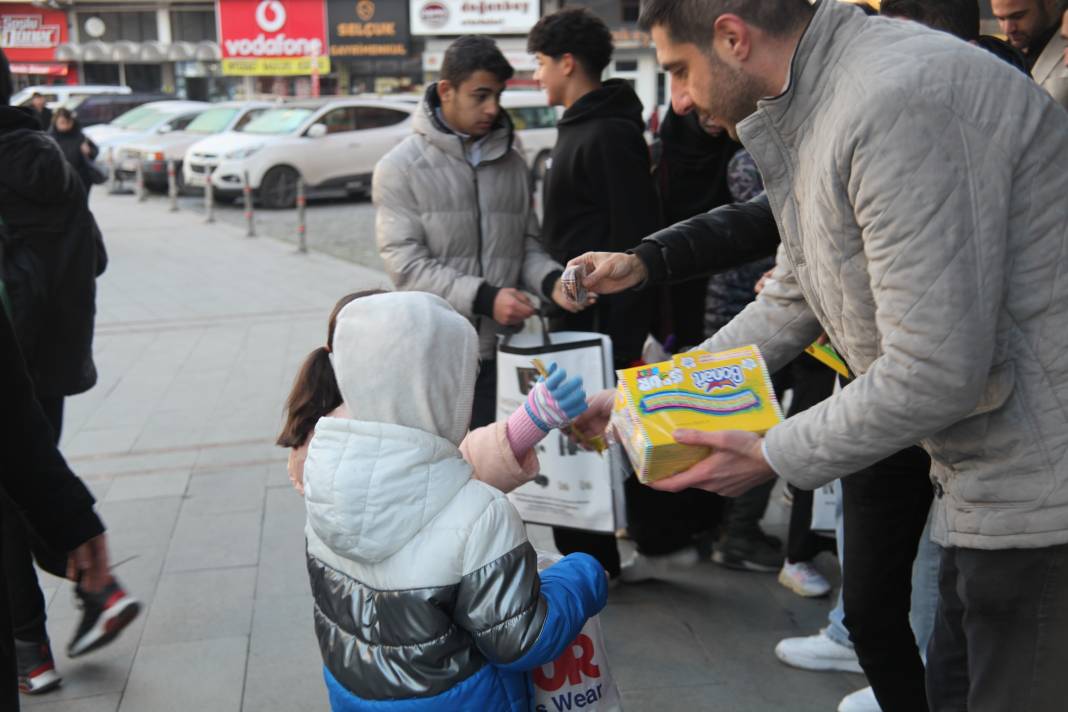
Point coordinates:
pixel 40 111
pixel 78 149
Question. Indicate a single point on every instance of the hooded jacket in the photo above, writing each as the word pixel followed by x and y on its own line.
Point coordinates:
pixel 459 231
pixel 599 195
pixel 426 590
pixel 53 252
pixel 70 142
pixel 922 227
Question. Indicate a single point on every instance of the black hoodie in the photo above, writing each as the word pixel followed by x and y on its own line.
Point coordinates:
pixel 53 253
pixel 599 195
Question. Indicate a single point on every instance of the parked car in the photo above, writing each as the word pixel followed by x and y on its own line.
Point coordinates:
pixel 331 145
pixel 105 108
pixel 146 120
pixel 535 125
pixel 155 150
pixel 57 95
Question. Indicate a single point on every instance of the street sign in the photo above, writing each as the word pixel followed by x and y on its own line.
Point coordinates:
pixel 368 28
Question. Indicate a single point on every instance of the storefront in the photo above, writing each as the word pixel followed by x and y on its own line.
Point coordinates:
pixel 278 47
pixel 29 36
pixel 441 21
pixel 371 46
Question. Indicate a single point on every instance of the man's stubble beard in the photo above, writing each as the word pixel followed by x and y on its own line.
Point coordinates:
pixel 733 94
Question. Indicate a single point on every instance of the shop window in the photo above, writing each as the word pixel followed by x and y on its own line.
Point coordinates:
pixel 133 26
pixel 631 9
pixel 626 65
pixel 368 117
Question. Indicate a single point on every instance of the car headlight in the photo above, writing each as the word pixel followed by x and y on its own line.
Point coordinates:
pixel 242 152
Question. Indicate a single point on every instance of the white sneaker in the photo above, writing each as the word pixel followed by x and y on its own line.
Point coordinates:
pixel 804 579
pixel 817 652
pixel 643 567
pixel 860 701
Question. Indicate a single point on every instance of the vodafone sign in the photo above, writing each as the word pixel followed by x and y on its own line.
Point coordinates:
pixel 272 37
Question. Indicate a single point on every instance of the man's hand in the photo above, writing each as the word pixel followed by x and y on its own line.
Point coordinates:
pixel 88 564
pixel 562 301
pixel 512 307
pixel 735 465
pixel 611 272
pixel 599 409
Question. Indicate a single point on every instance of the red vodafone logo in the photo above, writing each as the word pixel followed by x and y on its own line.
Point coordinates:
pixel 270 15
pixel 253 29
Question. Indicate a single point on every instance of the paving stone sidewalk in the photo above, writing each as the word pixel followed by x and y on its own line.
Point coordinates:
pixel 200 332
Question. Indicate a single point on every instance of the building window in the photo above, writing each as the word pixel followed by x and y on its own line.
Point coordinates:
pixel 192 25
pixel 626 65
pixel 133 26
pixel 631 9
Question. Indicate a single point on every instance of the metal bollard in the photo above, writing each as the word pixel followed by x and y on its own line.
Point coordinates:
pixel 142 194
pixel 209 198
pixel 302 225
pixel 249 218
pixel 172 186
pixel 113 182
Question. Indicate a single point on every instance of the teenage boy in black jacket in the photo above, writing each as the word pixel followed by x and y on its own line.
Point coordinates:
pixel 599 192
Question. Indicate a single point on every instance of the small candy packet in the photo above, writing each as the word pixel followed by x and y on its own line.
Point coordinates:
pixel 571 280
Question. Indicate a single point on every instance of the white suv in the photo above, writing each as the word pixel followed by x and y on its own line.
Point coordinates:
pixel 331 145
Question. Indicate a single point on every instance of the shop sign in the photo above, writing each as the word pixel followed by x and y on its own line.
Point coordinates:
pixel 274 66
pixel 272 37
pixel 368 28
pixel 50 70
pixel 31 34
pixel 477 17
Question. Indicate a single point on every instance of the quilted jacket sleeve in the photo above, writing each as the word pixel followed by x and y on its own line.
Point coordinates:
pixel 515 620
pixel 487 450
pixel 930 193
pixel 403 245
pixel 537 265
pixel 779 321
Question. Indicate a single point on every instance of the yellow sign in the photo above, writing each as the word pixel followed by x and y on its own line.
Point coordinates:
pixel 273 66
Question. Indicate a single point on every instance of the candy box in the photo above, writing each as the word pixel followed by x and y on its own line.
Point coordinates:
pixel 697 390
pixel 571 281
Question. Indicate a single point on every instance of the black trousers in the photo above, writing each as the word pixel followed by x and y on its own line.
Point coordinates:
pixel 885 509
pixel 20 546
pixel 1000 640
pixel 484 408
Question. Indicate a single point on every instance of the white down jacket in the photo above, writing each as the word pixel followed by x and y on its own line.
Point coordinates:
pixel 920 190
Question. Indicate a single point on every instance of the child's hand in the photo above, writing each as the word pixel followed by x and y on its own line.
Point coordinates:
pixel 555 401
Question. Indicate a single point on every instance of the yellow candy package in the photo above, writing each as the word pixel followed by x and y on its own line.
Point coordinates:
pixel 697 390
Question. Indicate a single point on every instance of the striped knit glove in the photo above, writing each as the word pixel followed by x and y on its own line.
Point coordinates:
pixel 553 402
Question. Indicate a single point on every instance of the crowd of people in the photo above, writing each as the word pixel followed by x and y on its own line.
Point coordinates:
pixel 893 186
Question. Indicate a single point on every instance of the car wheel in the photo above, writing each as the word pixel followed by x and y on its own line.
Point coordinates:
pixel 278 189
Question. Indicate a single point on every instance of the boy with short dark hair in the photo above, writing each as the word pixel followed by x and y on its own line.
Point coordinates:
pixel 599 192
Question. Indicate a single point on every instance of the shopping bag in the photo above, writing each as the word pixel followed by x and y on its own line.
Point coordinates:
pixel 825 507
pixel 580 677
pixel 574 488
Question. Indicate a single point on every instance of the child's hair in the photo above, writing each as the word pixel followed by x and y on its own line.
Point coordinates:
pixel 315 392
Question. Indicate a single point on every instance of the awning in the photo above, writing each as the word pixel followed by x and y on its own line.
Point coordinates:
pixel 127 52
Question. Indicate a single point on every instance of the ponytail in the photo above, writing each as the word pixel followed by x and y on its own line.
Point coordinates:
pixel 314 395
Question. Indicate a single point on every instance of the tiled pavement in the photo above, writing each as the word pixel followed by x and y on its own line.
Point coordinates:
pixel 199 334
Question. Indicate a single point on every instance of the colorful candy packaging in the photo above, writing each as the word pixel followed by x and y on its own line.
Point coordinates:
pixel 697 390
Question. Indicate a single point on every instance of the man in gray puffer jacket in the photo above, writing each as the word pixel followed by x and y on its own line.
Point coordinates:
pixel 455 216
pixel 919 190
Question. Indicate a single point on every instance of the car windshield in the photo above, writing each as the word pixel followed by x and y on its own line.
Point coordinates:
pixel 143 117
pixel 212 121
pixel 278 121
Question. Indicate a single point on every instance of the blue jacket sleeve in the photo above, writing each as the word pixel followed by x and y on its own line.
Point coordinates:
pixel 576 589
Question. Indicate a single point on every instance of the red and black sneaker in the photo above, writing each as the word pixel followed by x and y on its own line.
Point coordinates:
pixel 105 614
pixel 37 669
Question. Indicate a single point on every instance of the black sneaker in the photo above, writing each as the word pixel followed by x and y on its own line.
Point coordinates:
pixel 755 553
pixel 105 615
pixel 37 669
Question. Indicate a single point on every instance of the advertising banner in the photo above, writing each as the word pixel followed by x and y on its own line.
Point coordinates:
pixel 368 28
pixel 31 34
pixel 272 37
pixel 476 17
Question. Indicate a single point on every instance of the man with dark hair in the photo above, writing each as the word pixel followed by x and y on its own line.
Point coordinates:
pixel 957 17
pixel 454 210
pixel 925 256
pixel 41 113
pixel 599 192
pixel 1031 26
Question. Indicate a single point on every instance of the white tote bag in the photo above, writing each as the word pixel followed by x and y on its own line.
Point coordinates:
pixel 574 488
